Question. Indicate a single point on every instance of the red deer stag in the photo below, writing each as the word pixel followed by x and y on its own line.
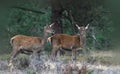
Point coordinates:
pixel 69 42
pixel 28 44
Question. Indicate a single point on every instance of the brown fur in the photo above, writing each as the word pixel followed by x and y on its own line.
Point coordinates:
pixel 28 44
pixel 65 41
pixel 69 42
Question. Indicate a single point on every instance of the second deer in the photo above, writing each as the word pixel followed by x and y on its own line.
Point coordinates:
pixel 69 42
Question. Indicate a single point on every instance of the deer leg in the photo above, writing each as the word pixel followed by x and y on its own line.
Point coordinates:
pixel 14 53
pixel 53 54
pixel 38 53
pixel 35 55
pixel 73 54
pixel 58 53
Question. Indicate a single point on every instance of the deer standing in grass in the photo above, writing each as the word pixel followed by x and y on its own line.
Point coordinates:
pixel 28 44
pixel 69 42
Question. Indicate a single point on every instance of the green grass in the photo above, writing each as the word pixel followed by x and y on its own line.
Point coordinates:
pixel 4 57
pixel 7 56
pixel 31 72
pixel 104 57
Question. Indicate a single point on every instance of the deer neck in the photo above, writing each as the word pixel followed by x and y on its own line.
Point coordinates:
pixel 83 40
pixel 44 38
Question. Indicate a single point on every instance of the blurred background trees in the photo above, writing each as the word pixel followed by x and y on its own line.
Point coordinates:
pixel 28 17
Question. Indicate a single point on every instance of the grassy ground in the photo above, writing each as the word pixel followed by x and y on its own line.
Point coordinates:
pixel 107 57
pixel 103 57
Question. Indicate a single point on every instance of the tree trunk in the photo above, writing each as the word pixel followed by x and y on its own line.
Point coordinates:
pixel 56 16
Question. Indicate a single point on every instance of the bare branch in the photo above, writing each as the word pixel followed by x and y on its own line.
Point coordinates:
pixel 27 9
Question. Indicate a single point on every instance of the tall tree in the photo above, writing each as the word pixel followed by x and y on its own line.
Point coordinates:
pixel 56 15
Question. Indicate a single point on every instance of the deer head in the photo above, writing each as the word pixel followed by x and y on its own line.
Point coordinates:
pixel 82 29
pixel 48 28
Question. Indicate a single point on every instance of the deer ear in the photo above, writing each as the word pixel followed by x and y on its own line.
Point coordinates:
pixel 77 26
pixel 87 26
pixel 52 24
